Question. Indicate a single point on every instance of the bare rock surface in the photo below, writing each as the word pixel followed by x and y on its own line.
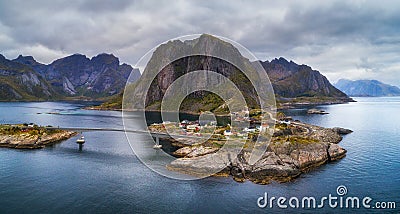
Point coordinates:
pixel 297 150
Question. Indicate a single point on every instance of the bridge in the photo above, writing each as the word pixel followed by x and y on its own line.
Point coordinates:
pixel 155 135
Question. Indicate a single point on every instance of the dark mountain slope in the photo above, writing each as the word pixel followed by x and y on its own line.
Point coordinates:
pixel 292 80
pixel 78 76
pixel 21 82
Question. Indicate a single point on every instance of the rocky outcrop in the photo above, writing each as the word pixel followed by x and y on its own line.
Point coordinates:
pixel 282 162
pixel 194 151
pixel 299 150
pixel 335 152
pixel 342 131
pixel 29 141
pixel 325 134
pixel 316 111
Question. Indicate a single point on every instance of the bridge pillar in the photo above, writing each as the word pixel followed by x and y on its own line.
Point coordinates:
pixel 157 138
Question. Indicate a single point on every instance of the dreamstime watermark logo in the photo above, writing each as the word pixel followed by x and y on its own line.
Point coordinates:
pixel 341 190
pixel 227 70
pixel 338 200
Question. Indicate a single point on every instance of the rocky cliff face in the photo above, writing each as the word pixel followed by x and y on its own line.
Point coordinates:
pixel 73 76
pixel 169 72
pixel 292 80
pixel 21 82
pixel 77 75
pixel 185 65
pixel 371 88
pixel 289 80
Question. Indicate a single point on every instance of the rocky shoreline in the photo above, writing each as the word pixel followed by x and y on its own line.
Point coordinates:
pixel 282 105
pixel 316 111
pixel 32 139
pixel 295 148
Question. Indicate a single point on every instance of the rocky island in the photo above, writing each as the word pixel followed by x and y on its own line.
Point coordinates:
pixel 295 148
pixel 30 136
pixel 316 111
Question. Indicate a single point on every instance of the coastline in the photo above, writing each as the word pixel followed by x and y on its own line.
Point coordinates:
pixel 285 159
pixel 291 105
pixel 294 149
pixel 22 137
pixel 281 104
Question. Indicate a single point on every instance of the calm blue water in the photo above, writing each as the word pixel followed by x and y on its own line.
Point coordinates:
pixel 106 176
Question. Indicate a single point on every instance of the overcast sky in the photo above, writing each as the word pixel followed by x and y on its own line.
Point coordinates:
pixel 341 39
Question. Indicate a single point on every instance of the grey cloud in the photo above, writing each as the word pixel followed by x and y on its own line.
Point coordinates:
pixel 101 6
pixel 334 37
pixel 325 24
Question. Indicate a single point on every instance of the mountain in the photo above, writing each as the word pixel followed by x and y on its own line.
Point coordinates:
pixel 169 72
pixel 372 88
pixel 31 62
pixel 77 75
pixel 71 77
pixel 289 80
pixel 21 82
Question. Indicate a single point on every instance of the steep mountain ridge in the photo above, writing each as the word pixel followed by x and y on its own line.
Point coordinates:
pixel 72 77
pixel 77 75
pixel 21 82
pixel 292 80
pixel 289 80
pixel 197 56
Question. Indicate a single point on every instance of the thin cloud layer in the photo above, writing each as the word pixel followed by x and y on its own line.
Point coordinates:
pixel 352 39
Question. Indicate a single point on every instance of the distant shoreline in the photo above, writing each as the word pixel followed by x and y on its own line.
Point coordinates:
pixel 280 106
